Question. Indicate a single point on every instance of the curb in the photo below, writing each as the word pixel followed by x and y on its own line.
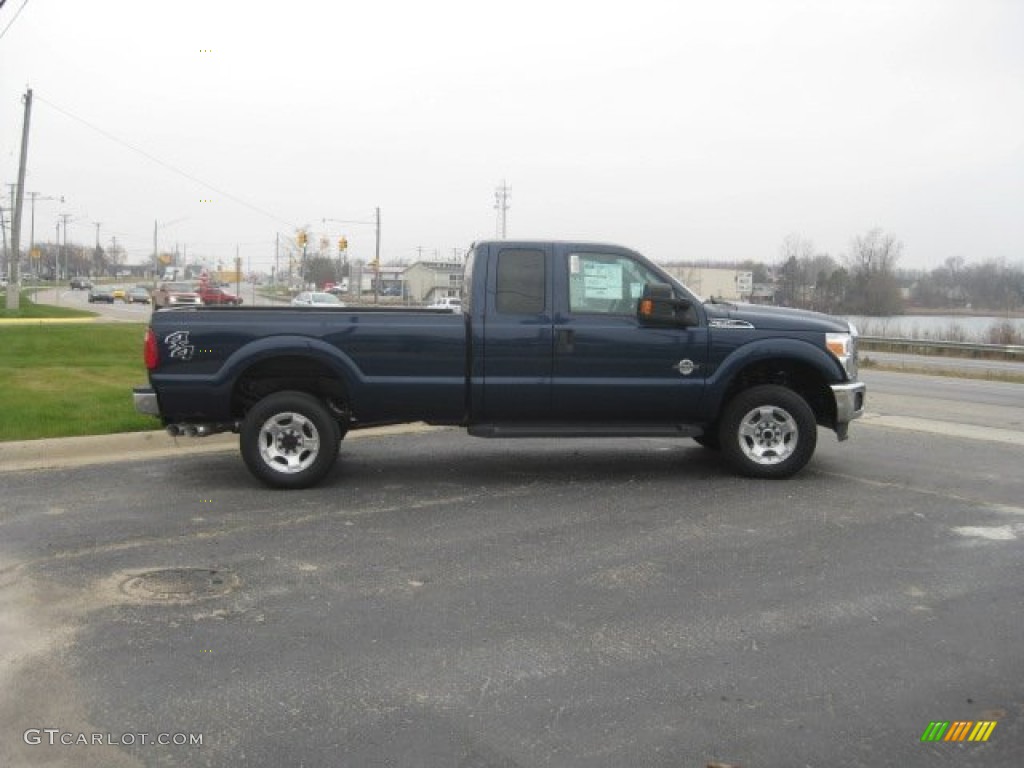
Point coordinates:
pixel 60 452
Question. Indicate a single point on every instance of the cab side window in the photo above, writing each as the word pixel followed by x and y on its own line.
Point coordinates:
pixel 608 284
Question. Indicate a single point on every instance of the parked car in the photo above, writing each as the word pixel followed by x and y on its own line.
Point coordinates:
pixel 317 299
pixel 118 292
pixel 451 303
pixel 218 296
pixel 137 295
pixel 80 284
pixel 101 293
pixel 176 294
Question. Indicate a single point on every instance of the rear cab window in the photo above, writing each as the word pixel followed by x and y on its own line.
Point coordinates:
pixel 521 282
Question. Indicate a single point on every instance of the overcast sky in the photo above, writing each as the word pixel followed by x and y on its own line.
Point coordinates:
pixel 687 130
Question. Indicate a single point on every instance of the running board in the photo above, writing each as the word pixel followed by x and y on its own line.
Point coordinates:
pixel 585 430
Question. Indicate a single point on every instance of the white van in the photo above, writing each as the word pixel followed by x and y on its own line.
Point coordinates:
pixel 452 303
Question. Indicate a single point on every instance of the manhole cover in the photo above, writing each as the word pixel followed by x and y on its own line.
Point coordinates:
pixel 179 584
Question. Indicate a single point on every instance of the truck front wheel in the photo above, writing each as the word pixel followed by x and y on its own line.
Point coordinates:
pixel 768 431
pixel 289 440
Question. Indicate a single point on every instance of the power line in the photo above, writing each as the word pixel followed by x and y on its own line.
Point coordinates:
pixel 167 166
pixel 16 14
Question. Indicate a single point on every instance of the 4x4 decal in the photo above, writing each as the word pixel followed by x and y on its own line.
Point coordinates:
pixel 178 345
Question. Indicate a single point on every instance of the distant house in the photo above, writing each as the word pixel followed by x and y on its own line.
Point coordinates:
pixel 429 281
pixel 390 278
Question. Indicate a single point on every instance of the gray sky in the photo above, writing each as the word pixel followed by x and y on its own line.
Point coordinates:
pixel 687 130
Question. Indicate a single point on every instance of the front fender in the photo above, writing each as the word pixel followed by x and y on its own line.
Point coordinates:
pixel 789 350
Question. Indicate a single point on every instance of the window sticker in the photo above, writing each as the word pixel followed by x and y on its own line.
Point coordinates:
pixel 602 281
pixel 574 264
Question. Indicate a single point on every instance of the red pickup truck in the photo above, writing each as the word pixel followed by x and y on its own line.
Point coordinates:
pixel 215 296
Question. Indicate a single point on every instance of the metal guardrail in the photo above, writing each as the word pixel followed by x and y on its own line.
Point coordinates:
pixel 929 346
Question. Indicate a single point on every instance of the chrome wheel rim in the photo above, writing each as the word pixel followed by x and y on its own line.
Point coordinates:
pixel 768 435
pixel 289 442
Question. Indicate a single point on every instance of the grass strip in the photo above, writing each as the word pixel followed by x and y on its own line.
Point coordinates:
pixel 67 380
pixel 29 310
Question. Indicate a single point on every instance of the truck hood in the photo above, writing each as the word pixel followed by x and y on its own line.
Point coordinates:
pixel 775 318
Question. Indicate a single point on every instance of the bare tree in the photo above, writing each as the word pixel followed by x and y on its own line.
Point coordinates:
pixel 791 283
pixel 872 261
pixel 875 252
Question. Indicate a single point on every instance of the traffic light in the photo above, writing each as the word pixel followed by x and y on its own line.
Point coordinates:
pixel 301 239
pixel 342 243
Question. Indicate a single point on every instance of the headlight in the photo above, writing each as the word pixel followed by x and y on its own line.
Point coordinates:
pixel 844 347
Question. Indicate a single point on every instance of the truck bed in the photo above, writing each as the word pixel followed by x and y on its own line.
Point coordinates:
pixel 396 363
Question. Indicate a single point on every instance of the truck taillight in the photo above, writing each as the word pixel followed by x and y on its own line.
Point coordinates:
pixel 150 353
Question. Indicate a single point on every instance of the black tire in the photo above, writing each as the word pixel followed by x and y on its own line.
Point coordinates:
pixel 768 432
pixel 289 440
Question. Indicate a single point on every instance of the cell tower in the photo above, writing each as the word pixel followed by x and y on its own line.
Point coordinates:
pixel 501 196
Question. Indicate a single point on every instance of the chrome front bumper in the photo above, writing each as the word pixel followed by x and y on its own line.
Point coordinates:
pixel 850 399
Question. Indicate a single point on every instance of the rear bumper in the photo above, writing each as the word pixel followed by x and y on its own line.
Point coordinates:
pixel 145 401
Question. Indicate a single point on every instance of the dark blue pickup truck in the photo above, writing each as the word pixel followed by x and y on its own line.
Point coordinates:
pixel 554 339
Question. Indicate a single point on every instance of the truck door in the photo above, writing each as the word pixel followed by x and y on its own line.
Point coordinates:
pixel 607 366
pixel 517 335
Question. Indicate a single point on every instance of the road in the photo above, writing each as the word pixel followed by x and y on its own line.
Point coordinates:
pixel 444 601
pixel 949 404
pixel 120 312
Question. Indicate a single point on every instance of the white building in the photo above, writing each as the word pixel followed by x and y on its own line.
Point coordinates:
pixel 429 281
pixel 727 284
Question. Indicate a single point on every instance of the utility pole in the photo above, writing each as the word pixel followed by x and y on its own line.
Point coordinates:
pixel 376 253
pixel 7 259
pixel 32 226
pixel 64 216
pixel 501 196
pixel 13 287
pixel 92 262
pixel 376 262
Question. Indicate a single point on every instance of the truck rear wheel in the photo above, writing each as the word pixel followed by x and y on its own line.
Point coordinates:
pixel 289 440
pixel 768 432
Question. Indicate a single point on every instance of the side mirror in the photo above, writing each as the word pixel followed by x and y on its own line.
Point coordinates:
pixel 657 306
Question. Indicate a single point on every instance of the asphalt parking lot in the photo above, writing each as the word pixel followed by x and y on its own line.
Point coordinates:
pixel 445 601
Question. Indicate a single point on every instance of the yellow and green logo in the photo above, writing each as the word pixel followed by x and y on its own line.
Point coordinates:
pixel 958 730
